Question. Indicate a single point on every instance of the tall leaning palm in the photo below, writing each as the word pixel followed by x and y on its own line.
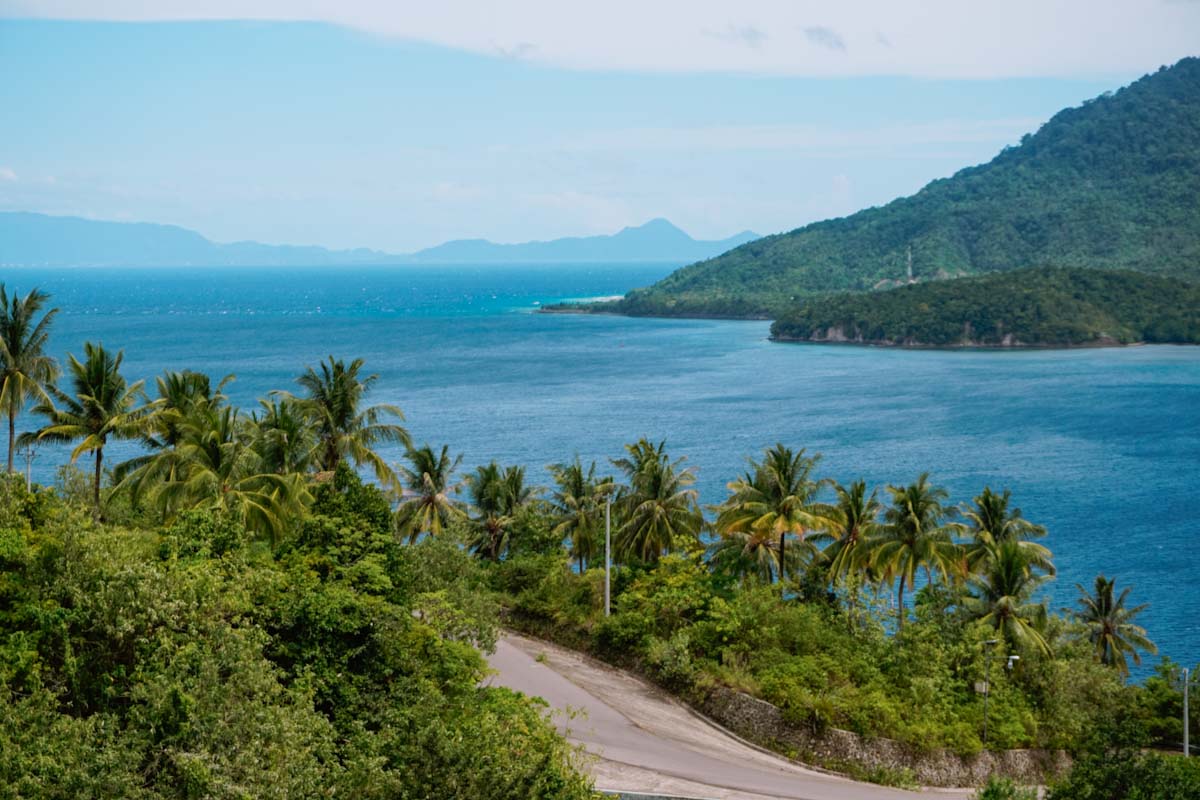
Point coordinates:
pixel 26 372
pixel 103 406
pixel 346 428
pixel 1110 625
pixel 915 536
pixel 777 497
pixel 427 504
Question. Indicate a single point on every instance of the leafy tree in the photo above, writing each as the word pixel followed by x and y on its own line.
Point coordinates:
pixel 1110 625
pixel 103 406
pixel 579 504
pixel 346 429
pixel 915 535
pixel 777 496
pixel 657 507
pixel 27 373
pixel 426 505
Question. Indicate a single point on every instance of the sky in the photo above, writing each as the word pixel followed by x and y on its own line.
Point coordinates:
pixel 397 125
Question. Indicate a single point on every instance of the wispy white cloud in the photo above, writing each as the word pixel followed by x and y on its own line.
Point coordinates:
pixel 825 37
pixel 7 174
pixel 811 140
pixel 933 38
pixel 746 35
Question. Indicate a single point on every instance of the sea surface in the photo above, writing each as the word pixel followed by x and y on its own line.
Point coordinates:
pixel 1101 445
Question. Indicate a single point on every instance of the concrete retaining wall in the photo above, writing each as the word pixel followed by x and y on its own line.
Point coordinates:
pixel 763 723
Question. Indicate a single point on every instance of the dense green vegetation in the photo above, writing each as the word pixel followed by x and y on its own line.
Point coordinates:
pixel 236 613
pixel 1043 306
pixel 1112 184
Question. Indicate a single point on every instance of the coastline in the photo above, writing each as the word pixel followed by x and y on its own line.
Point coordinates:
pixel 889 345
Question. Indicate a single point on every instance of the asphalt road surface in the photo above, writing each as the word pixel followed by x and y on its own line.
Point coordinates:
pixel 644 741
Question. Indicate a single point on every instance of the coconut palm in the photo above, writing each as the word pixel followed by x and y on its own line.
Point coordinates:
pixel 657 507
pixel 215 465
pixel 26 372
pixel 777 497
pixel 103 406
pixel 284 436
pixel 852 524
pixel 496 496
pixel 1000 597
pixel 915 536
pixel 426 505
pixel 179 394
pixel 852 527
pixel 990 522
pixel 346 429
pixel 746 552
pixel 1110 625
pixel 578 501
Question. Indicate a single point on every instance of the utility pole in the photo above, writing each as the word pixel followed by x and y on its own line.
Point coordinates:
pixel 1187 748
pixel 607 555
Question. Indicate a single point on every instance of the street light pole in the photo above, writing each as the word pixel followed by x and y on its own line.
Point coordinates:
pixel 607 555
pixel 987 685
pixel 1187 749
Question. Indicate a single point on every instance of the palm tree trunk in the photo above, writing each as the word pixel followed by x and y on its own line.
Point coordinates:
pixel 900 606
pixel 96 480
pixel 12 435
pixel 782 553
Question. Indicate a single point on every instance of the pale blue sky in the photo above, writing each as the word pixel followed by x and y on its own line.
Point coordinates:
pixel 308 132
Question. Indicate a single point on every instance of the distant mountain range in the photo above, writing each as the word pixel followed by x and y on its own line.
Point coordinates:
pixel 28 239
pixel 1111 184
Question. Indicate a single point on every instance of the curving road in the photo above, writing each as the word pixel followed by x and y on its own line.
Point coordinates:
pixel 646 742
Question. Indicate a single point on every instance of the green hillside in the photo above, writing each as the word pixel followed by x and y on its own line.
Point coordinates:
pixel 1114 183
pixel 1044 306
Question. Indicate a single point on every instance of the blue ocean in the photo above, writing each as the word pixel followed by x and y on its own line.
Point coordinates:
pixel 1101 446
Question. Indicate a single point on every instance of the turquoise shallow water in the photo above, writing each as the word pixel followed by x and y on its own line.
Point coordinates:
pixel 1101 446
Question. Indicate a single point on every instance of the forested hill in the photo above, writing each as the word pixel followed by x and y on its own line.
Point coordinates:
pixel 1044 306
pixel 1114 183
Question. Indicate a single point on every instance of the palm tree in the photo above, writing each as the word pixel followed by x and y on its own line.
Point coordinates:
pixel 657 507
pixel 26 372
pixel 179 394
pixel 215 465
pixel 496 495
pixel 1001 597
pixel 578 502
pixel 426 505
pixel 1110 625
pixel 913 537
pixel 103 406
pixel 750 552
pixel 991 522
pixel 777 497
pixel 284 436
pixel 852 527
pixel 346 430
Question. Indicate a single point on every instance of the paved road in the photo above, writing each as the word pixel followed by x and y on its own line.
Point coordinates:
pixel 647 742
